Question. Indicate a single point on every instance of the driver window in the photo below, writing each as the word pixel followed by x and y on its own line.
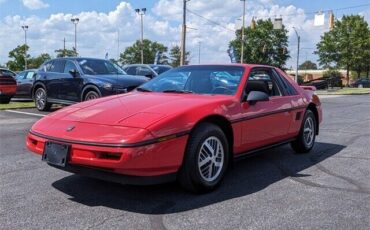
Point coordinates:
pixel 69 66
pixel 262 80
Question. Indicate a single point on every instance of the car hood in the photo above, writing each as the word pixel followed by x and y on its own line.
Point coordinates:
pixel 136 109
pixel 120 79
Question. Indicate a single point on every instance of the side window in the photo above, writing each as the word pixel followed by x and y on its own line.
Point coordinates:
pixel 131 70
pixel 287 87
pixel 69 66
pixel 29 75
pixel 46 66
pixel 261 79
pixel 21 75
pixel 57 66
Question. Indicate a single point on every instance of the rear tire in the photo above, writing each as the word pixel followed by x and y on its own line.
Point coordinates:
pixel 5 100
pixel 206 159
pixel 91 95
pixel 307 134
pixel 40 98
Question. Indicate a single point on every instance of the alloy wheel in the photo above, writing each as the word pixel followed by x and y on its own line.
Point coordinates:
pixel 309 131
pixel 211 159
pixel 40 98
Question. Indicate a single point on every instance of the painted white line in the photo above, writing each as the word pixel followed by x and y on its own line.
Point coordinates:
pixel 26 113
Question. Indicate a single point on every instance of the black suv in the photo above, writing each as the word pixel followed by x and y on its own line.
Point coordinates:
pixel 71 80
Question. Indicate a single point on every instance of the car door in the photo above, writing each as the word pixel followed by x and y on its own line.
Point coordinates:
pixel 72 84
pixel 53 78
pixel 28 83
pixel 265 122
pixel 20 80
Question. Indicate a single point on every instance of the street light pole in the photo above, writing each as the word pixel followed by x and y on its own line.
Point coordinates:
pixel 141 12
pixel 299 40
pixel 25 28
pixel 75 22
pixel 243 24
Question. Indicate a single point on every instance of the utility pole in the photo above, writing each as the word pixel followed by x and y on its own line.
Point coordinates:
pixel 117 44
pixel 183 34
pixel 25 28
pixel 75 22
pixel 299 40
pixel 141 12
pixel 243 24
pixel 64 44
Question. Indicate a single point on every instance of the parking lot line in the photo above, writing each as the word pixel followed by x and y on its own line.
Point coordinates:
pixel 27 113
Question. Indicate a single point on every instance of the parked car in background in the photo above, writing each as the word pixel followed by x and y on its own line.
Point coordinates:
pixel 71 80
pixel 150 71
pixel 361 83
pixel 8 85
pixel 25 81
pixel 186 124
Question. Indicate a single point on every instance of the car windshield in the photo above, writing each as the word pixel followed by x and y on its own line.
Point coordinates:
pixel 99 67
pixel 160 69
pixel 197 79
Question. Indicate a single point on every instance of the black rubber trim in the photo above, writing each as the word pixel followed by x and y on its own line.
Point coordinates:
pixel 256 151
pixel 101 174
pixel 266 114
pixel 125 145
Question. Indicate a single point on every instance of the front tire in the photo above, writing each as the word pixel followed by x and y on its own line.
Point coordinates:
pixel 206 159
pixel 41 100
pixel 307 134
pixel 91 95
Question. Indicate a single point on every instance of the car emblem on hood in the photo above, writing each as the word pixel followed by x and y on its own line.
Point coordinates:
pixel 70 128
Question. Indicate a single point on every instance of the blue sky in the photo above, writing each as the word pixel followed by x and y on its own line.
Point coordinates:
pixel 49 22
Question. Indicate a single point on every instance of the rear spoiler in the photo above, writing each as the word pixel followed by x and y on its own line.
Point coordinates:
pixel 307 87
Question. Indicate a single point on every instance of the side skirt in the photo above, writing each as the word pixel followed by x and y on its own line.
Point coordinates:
pixel 257 151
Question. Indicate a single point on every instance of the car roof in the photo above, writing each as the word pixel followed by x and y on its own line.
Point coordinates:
pixel 78 58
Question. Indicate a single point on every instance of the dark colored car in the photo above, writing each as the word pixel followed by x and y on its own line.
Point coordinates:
pixel 146 70
pixel 361 83
pixel 8 85
pixel 25 81
pixel 71 80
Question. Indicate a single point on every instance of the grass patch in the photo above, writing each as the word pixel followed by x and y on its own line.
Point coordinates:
pixel 345 91
pixel 17 105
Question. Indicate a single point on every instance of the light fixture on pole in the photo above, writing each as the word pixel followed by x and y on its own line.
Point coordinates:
pixel 141 12
pixel 25 28
pixel 299 40
pixel 243 25
pixel 75 22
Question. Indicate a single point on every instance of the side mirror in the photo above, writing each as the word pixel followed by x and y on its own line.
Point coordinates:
pixel 146 73
pixel 255 96
pixel 73 72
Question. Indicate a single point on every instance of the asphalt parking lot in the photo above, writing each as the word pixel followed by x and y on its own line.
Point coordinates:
pixel 326 189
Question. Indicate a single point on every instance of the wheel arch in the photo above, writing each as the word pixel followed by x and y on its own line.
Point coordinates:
pixel 87 88
pixel 225 126
pixel 313 108
pixel 35 87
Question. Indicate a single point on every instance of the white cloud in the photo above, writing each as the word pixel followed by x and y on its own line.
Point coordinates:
pixel 97 31
pixel 35 4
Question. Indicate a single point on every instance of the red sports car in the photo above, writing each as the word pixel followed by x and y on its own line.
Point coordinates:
pixel 187 124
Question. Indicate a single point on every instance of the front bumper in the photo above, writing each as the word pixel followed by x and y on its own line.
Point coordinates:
pixel 151 159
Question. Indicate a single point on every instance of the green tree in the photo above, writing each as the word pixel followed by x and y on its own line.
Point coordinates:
pixel 346 46
pixel 17 56
pixel 66 52
pixel 175 56
pixel 308 65
pixel 263 44
pixel 36 62
pixel 132 54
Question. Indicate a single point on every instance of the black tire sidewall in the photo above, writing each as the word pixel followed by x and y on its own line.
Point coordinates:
pixel 91 92
pixel 45 104
pixel 203 132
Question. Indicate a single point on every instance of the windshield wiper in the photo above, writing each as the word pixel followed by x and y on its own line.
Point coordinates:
pixel 141 89
pixel 177 91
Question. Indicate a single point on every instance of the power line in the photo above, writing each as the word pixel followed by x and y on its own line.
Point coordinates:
pixel 209 20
